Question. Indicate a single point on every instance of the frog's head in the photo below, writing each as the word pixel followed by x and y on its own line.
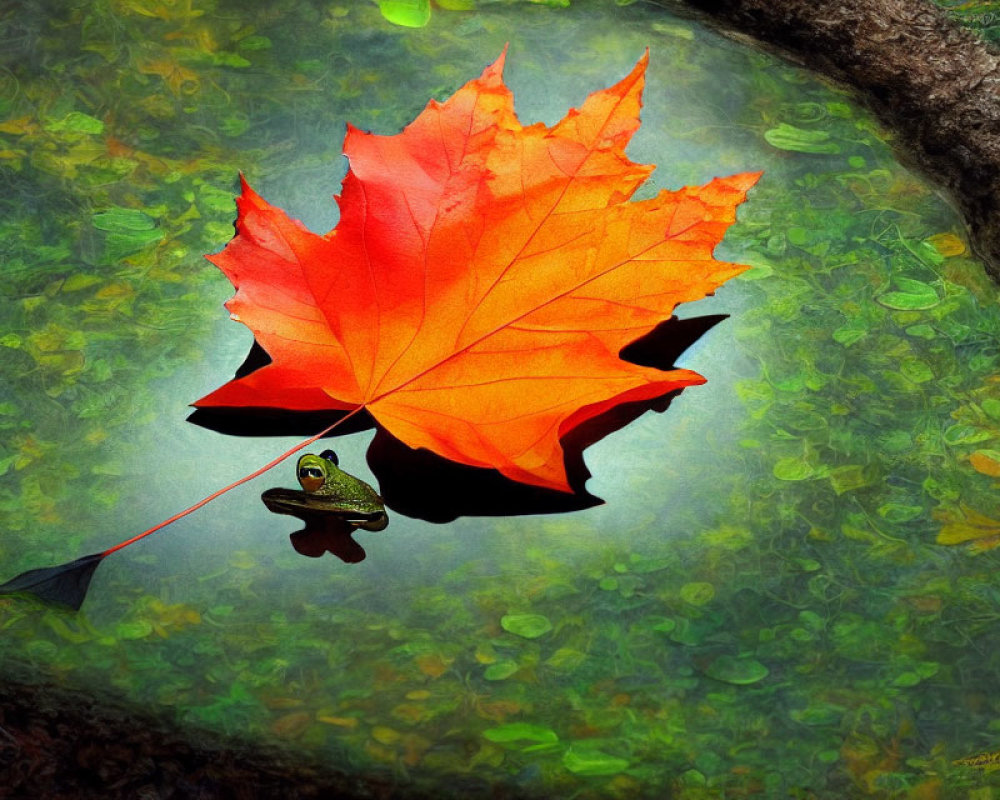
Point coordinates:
pixel 313 470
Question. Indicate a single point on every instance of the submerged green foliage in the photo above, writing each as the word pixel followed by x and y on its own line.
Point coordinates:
pixel 792 590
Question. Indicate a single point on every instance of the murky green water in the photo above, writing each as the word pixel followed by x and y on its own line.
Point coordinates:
pixel 779 596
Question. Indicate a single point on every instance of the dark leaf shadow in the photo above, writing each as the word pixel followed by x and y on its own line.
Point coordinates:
pixel 422 485
pixel 260 421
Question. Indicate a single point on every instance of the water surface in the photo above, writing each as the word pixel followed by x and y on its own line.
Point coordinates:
pixel 779 596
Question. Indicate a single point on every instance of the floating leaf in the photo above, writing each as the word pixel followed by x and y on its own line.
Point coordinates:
pixel 922 331
pixel 739 671
pixel 521 732
pixel 123 220
pixel 530 626
pixel 912 295
pixel 501 670
pixel 582 761
pixel 76 122
pixel 911 677
pixel 224 59
pixel 385 735
pixel 848 477
pixel 664 625
pixel 139 629
pixel 481 282
pixel 849 334
pixel 992 407
pixel 794 469
pixel 789 137
pixel 698 593
pixel 407 13
pixel 899 512
pixel 566 659
pixel 128 230
pixel 915 369
pixel 965 434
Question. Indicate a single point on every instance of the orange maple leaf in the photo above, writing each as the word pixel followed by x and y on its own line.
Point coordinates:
pixel 482 280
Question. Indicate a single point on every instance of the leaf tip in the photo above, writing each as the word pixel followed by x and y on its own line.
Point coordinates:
pixel 248 198
pixel 637 76
pixel 746 180
pixel 494 72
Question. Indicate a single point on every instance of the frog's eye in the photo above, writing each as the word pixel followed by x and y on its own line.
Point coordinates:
pixel 329 455
pixel 311 472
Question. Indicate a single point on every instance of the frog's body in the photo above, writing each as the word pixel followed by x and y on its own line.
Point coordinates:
pixel 329 491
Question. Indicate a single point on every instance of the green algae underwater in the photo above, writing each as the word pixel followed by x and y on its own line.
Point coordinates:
pixel 790 589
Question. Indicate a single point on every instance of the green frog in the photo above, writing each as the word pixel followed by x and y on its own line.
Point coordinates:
pixel 331 493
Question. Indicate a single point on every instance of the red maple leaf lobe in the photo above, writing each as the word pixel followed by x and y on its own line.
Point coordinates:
pixel 482 280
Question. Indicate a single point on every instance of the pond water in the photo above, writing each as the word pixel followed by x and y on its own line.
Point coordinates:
pixel 791 588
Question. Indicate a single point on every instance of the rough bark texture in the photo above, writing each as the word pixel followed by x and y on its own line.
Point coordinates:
pixel 935 85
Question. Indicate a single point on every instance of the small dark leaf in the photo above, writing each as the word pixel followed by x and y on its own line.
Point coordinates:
pixel 64 585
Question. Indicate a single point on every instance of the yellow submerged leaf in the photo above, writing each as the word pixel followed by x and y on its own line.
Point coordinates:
pixel 340 722
pixel 19 126
pixel 986 462
pixel 485 654
pixel 384 735
pixel 947 244
pixel 433 665
pixel 180 80
pixel 988 761
pixel 959 533
pixel 964 525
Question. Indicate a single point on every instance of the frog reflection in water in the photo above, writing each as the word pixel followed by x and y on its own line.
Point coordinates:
pixel 332 503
